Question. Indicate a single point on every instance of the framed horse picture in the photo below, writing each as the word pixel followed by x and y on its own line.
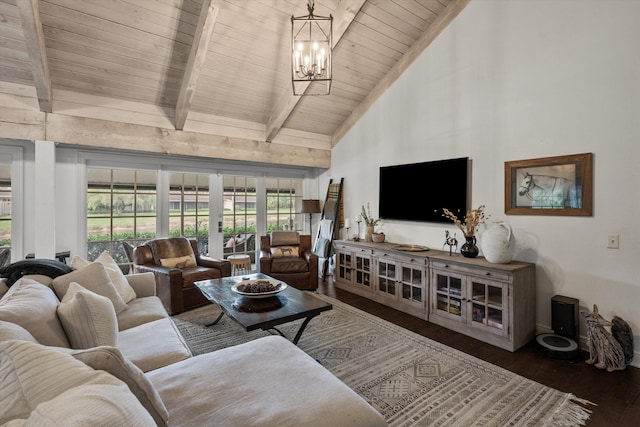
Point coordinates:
pixel 561 185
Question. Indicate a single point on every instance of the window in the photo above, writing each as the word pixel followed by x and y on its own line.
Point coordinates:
pixel 284 202
pixel 239 215
pixel 189 208
pixel 5 214
pixel 121 209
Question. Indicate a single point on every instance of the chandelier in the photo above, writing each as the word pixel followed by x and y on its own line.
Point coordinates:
pixel 311 53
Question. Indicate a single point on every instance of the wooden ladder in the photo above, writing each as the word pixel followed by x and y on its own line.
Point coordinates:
pixel 331 210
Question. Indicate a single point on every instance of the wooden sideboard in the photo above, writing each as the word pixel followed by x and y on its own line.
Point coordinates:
pixel 494 303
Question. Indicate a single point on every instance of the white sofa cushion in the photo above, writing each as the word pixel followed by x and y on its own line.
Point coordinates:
pixel 265 382
pixel 141 310
pixel 91 405
pixel 33 306
pixel 12 331
pixel 93 277
pixel 88 319
pixel 113 270
pixel 37 378
pixel 111 360
pixel 153 344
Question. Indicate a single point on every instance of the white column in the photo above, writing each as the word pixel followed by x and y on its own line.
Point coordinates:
pixel 45 199
pixel 216 209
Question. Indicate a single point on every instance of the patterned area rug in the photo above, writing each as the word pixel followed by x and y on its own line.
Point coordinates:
pixel 411 380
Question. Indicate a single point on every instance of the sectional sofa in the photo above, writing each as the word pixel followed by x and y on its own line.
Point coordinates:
pixel 95 347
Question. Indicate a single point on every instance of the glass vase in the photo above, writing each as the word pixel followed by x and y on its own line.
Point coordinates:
pixel 469 249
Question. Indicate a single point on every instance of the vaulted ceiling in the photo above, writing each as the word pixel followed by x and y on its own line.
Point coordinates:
pixel 199 77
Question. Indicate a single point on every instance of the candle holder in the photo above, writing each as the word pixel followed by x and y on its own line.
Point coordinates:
pixel 356 238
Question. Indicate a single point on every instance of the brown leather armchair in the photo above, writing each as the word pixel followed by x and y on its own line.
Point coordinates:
pixel 288 256
pixel 177 264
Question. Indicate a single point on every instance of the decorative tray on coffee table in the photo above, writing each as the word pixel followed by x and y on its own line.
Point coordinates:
pixel 410 248
pixel 239 288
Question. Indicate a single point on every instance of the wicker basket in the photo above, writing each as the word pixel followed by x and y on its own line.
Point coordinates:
pixel 377 237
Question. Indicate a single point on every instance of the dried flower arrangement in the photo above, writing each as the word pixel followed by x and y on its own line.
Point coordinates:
pixel 367 217
pixel 472 220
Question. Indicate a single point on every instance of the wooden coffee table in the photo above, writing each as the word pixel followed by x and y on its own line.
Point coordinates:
pixel 287 306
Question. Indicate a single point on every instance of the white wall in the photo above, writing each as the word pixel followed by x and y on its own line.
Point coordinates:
pixel 511 80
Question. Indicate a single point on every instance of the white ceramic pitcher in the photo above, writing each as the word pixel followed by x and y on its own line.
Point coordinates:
pixel 498 243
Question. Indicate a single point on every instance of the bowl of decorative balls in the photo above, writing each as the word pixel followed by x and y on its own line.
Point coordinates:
pixel 259 288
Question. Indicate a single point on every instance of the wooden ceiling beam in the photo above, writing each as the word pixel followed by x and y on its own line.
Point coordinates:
pixel 440 23
pixel 342 19
pixel 197 55
pixel 34 40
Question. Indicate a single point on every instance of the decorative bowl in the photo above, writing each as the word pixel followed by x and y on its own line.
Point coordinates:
pixel 238 288
pixel 410 248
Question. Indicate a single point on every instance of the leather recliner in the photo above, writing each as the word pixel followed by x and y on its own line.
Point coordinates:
pixel 288 256
pixel 177 264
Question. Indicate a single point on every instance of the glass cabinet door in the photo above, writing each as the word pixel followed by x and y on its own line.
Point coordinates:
pixel 386 278
pixel 344 266
pixel 363 270
pixel 449 293
pixel 413 285
pixel 489 306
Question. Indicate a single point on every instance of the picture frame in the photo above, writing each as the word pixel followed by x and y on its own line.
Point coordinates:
pixel 561 185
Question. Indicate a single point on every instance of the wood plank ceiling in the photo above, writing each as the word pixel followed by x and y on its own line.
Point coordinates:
pixel 203 74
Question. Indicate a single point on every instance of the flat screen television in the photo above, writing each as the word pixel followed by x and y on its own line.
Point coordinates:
pixel 419 191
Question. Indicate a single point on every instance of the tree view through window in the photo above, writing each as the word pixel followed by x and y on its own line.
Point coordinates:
pixel 189 208
pixel 121 209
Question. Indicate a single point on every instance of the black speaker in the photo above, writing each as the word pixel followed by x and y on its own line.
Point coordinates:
pixel 564 316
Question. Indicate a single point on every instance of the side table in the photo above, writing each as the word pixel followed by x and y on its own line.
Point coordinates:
pixel 240 264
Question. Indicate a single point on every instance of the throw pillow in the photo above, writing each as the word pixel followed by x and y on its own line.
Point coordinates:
pixel 3 287
pixel 113 270
pixel 93 277
pixel 88 318
pixel 284 251
pixel 33 306
pixel 33 374
pixel 12 331
pixel 179 262
pixel 111 360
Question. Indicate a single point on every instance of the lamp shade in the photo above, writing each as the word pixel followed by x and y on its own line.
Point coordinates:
pixel 310 206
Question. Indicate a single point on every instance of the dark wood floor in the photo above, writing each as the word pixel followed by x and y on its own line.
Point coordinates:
pixel 617 394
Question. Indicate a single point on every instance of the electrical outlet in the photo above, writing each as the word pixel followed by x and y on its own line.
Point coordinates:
pixel 613 241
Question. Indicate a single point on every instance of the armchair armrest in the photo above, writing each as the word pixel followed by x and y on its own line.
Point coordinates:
pixel 265 261
pixel 168 285
pixel 221 264
pixel 309 255
pixel 144 284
